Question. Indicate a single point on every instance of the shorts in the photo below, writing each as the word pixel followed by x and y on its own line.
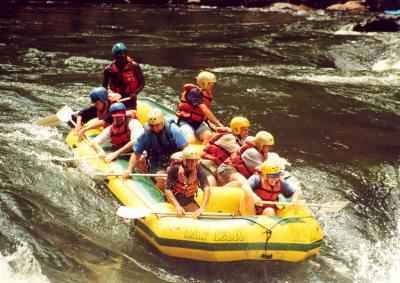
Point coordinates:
pixel 157 164
pixel 260 209
pixel 224 172
pixel 188 129
pixel 184 201
pixel 207 172
pixel 131 103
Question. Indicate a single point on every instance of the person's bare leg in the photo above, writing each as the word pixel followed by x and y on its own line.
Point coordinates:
pixel 269 211
pixel 142 165
pixel 236 180
pixel 247 206
pixel 212 181
pixel 161 181
pixel 205 136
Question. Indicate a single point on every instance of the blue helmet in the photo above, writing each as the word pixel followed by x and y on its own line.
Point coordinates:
pixel 117 109
pixel 99 93
pixel 119 47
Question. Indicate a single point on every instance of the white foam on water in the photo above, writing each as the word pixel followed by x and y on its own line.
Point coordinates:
pixel 347 30
pixel 379 262
pixel 386 65
pixel 161 273
pixel 21 267
pixel 388 80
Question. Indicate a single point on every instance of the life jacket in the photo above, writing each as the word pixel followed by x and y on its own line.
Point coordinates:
pixel 121 135
pixel 160 146
pixel 123 81
pixel 268 192
pixel 101 114
pixel 215 152
pixel 185 185
pixel 237 162
pixel 187 110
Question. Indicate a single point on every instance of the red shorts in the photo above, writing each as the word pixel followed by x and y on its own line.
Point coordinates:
pixel 260 209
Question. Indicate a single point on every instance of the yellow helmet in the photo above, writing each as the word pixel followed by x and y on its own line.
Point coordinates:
pixel 190 152
pixel 203 78
pixel 263 138
pixel 155 116
pixel 271 167
pixel 237 123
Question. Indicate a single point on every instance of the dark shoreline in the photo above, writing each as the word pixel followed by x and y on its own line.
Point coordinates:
pixel 334 5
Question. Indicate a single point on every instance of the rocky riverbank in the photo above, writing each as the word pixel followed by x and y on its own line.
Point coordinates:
pixel 334 5
pixel 356 5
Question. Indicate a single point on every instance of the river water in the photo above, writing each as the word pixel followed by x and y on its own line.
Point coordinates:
pixel 329 96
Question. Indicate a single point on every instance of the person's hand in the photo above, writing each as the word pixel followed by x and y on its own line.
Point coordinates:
pixel 102 155
pixel 125 175
pixel 81 135
pixel 78 127
pixel 180 211
pixel 110 157
pixel 257 200
pixel 198 212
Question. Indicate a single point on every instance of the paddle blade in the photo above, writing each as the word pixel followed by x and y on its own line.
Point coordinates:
pixel 50 121
pixel 64 114
pixel 334 206
pixel 133 212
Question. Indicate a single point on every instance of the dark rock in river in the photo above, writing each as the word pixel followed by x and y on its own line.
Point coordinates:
pixel 380 23
pixel 381 5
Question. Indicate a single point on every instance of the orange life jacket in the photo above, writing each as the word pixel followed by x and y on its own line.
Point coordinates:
pixel 267 192
pixel 215 152
pixel 184 185
pixel 236 161
pixel 121 135
pixel 187 110
pixel 123 81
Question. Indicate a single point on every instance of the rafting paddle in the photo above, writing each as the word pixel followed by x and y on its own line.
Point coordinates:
pixel 140 212
pixel 64 114
pixel 71 159
pixel 328 207
pixel 108 174
pixel 54 120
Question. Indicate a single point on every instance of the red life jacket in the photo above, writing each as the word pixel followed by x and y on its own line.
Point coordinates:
pixel 187 110
pixel 120 136
pixel 267 192
pixel 237 162
pixel 186 186
pixel 123 81
pixel 101 114
pixel 215 152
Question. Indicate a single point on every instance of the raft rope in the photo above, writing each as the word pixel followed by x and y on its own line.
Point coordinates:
pixel 268 232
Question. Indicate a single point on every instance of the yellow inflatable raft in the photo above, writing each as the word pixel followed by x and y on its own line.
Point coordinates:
pixel 293 235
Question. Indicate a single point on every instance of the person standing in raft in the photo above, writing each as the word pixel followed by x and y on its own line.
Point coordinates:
pixel 161 138
pixel 243 163
pixel 123 133
pixel 266 187
pixel 194 109
pixel 124 76
pixel 183 181
pixel 222 145
pixel 102 101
